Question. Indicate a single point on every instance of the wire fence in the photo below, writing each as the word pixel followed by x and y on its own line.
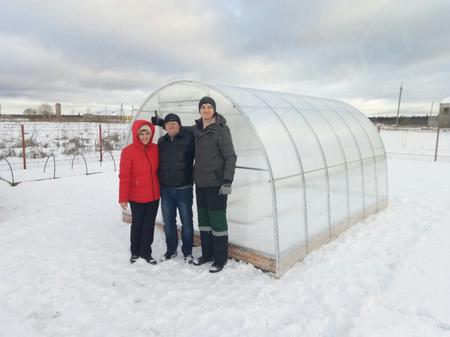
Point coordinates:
pixel 49 150
pixel 419 143
pixel 46 150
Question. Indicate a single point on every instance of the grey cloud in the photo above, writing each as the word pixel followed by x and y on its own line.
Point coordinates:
pixel 356 50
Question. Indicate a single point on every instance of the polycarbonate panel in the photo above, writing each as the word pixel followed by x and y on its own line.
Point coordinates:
pixel 356 191
pixel 276 141
pixel 291 216
pixel 370 187
pixel 250 212
pixel 316 202
pixel 181 93
pixel 343 131
pixel 306 142
pixel 338 195
pixel 324 132
pixel 371 131
pixel 363 142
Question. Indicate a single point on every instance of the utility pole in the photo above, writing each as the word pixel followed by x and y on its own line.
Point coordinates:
pixel 431 111
pixel 399 100
pixel 122 114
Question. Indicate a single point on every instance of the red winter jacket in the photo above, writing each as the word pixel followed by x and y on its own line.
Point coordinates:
pixel 138 178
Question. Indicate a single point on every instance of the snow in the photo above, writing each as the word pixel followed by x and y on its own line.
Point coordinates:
pixel 65 270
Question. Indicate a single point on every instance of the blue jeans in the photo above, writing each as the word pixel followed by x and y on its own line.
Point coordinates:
pixel 171 200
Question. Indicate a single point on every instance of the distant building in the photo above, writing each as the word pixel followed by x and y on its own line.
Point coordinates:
pixel 444 113
pixel 58 109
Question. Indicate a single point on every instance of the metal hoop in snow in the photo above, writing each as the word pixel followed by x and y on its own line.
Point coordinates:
pixel 54 165
pixel 12 173
pixel 85 163
pixel 114 162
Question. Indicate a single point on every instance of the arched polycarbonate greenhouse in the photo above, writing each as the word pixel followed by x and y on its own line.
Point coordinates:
pixel 307 167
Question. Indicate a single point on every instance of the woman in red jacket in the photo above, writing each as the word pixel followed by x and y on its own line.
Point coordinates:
pixel 139 186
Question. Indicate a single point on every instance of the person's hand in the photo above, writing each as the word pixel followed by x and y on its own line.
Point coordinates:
pixel 225 189
pixel 124 205
pixel 156 120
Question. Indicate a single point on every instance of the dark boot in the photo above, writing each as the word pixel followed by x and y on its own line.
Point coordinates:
pixel 202 260
pixel 207 250
pixel 220 246
pixel 207 244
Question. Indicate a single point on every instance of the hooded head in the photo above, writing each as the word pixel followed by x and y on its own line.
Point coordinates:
pixel 142 124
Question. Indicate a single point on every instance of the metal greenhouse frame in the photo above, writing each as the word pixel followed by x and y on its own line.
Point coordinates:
pixel 307 169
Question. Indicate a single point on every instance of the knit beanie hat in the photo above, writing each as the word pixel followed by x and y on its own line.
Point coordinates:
pixel 172 118
pixel 207 100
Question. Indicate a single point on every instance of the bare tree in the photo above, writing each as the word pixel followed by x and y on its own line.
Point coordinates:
pixel 45 109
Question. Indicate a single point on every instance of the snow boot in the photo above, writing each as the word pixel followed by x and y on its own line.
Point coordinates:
pixel 220 245
pixel 215 267
pixel 168 256
pixel 202 260
pixel 151 260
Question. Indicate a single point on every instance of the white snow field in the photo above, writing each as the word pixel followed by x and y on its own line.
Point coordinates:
pixel 65 270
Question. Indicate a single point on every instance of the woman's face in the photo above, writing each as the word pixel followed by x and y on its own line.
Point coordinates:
pixel 207 111
pixel 144 136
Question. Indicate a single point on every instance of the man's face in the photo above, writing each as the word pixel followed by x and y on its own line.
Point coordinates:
pixel 172 128
pixel 144 136
pixel 207 111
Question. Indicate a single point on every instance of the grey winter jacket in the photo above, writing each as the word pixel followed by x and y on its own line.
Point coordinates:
pixel 215 159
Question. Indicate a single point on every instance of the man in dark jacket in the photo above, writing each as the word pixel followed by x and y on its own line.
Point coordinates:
pixel 215 162
pixel 176 155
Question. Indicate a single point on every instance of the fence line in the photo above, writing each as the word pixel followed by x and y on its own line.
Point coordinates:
pixel 29 146
pixel 432 143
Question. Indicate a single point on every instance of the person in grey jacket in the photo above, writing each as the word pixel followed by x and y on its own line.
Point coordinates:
pixel 215 163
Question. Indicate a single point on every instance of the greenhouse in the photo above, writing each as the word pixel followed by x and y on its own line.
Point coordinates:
pixel 307 168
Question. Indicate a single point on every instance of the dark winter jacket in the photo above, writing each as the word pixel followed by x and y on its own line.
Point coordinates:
pixel 215 159
pixel 138 169
pixel 176 157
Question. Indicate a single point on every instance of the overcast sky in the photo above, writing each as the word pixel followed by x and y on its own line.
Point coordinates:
pixel 108 52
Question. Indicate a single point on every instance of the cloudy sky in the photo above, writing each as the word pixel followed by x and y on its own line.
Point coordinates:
pixel 107 52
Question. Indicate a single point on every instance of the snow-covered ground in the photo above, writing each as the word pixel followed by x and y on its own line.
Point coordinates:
pixel 65 270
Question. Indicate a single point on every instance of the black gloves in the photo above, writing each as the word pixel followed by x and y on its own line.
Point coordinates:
pixel 156 120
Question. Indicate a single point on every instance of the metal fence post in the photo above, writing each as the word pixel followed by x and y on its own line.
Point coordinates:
pixel 437 144
pixel 100 141
pixel 22 129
